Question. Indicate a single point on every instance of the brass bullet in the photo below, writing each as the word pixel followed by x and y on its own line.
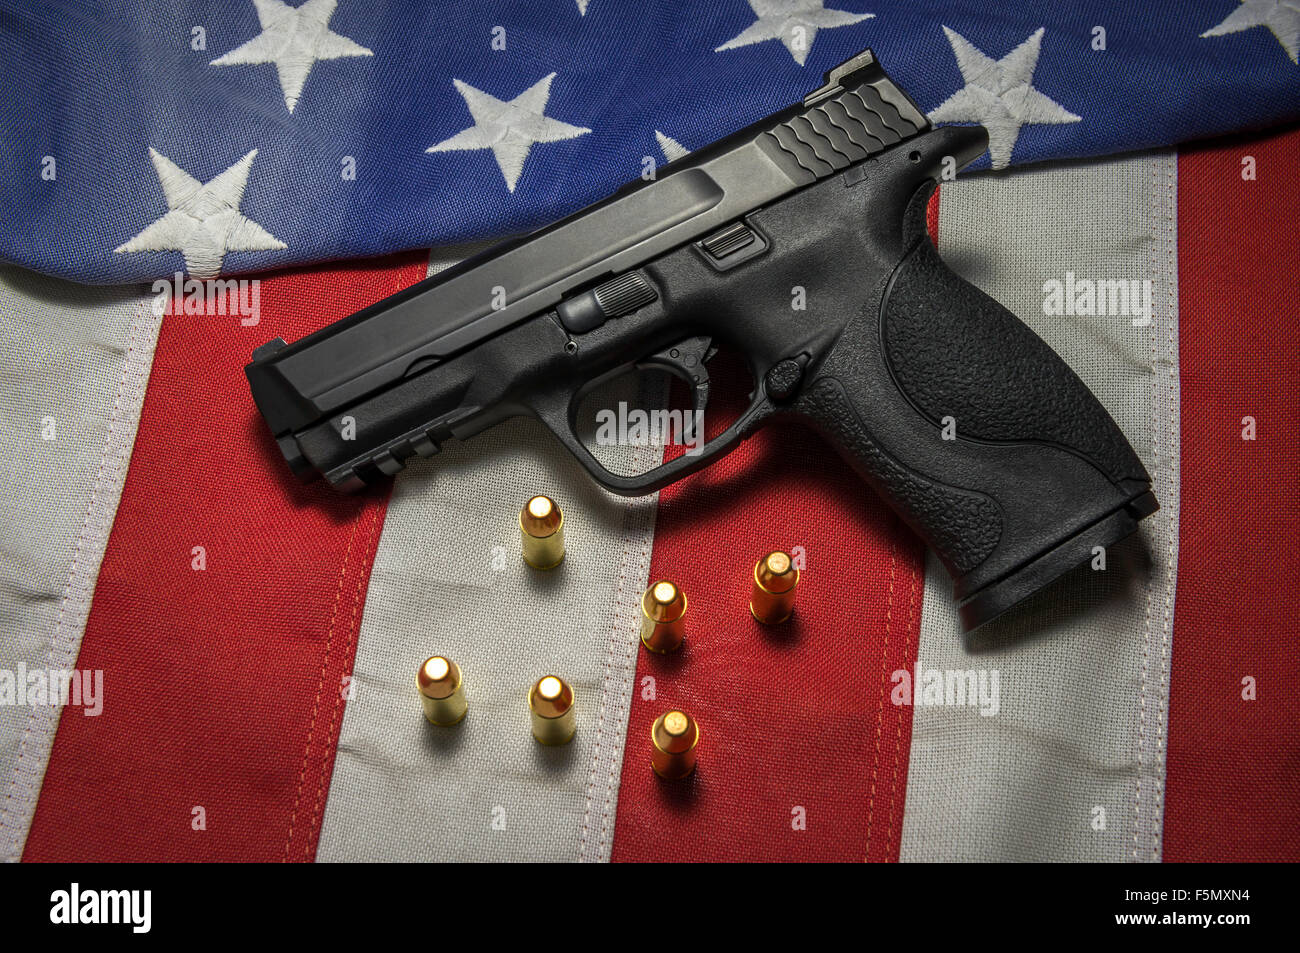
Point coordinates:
pixel 775 579
pixel 541 527
pixel 673 740
pixel 550 707
pixel 663 617
pixel 442 690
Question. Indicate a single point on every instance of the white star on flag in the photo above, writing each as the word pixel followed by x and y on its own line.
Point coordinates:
pixel 1280 16
pixel 203 221
pixel 794 22
pixel 999 94
pixel 294 39
pixel 672 149
pixel 509 128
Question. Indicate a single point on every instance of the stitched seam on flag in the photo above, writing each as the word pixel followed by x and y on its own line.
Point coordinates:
pixel 619 596
pixel 56 638
pixel 880 707
pixel 606 845
pixel 1144 680
pixel 82 574
pixel 1171 484
pixel 645 529
pixel 354 631
pixel 1142 728
pixel 624 703
pixel 604 694
pixel 1159 451
pixel 320 687
pixel 615 639
pixel 638 521
pixel 1163 244
pixel 898 722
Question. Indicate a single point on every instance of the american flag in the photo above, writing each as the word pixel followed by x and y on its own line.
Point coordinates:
pixel 256 640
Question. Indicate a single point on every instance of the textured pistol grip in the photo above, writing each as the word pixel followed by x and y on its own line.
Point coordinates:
pixel 954 351
pixel 982 439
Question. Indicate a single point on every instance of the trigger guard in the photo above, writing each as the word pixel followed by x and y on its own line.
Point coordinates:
pixel 558 413
pixel 685 361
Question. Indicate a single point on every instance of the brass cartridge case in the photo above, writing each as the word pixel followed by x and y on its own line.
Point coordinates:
pixel 442 690
pixel 663 617
pixel 674 740
pixel 551 710
pixel 775 579
pixel 541 530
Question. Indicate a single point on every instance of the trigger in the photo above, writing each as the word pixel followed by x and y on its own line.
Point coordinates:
pixel 686 360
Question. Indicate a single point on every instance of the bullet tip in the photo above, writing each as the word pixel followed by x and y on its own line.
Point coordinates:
pixel 540 517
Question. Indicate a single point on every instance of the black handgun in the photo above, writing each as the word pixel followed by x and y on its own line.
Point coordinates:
pixel 972 428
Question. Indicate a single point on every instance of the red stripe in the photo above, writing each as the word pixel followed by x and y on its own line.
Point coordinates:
pixel 932 217
pixel 1233 768
pixel 221 686
pixel 794 719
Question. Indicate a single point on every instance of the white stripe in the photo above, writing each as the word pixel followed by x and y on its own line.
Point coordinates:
pixel 1166 454
pixel 1084 675
pixel 597 839
pixel 448 578
pixel 81 356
